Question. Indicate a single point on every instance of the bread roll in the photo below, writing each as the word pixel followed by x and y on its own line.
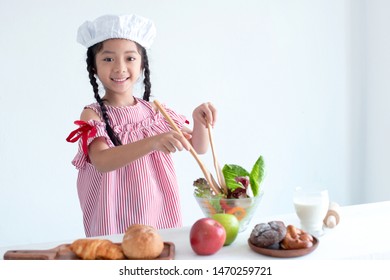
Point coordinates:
pixel 142 242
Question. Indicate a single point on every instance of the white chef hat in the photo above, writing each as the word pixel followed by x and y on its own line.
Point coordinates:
pixel 131 27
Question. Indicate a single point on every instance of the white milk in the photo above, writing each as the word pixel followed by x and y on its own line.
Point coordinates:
pixel 311 211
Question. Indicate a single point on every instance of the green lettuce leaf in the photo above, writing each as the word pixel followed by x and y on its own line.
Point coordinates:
pixel 256 175
pixel 230 172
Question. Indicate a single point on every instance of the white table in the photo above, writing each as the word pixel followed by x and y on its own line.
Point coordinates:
pixel 361 234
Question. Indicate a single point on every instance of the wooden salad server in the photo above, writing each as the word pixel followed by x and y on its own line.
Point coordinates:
pixel 208 176
pixel 217 167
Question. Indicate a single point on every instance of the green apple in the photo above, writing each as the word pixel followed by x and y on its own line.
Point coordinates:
pixel 231 225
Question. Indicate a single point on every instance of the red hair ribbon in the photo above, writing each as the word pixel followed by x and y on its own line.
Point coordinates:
pixel 84 131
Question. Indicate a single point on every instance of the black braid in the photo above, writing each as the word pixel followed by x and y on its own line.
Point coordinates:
pixel 145 66
pixel 91 66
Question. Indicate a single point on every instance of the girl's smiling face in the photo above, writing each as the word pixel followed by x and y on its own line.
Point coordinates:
pixel 118 66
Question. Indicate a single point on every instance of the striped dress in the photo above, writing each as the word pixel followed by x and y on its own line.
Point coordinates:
pixel 144 191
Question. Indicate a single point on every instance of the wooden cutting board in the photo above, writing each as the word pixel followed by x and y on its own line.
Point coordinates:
pixel 63 252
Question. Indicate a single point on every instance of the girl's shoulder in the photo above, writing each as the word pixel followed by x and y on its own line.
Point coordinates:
pixel 91 111
pixel 144 102
pixel 148 105
pixel 151 105
pixel 94 106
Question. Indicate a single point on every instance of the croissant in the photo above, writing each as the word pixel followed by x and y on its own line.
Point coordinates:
pixel 97 249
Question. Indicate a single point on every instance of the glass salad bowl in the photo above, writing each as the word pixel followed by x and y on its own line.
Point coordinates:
pixel 242 208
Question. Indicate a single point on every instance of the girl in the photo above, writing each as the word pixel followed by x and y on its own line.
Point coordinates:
pixel 126 173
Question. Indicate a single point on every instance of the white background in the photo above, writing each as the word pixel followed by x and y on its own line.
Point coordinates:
pixel 303 83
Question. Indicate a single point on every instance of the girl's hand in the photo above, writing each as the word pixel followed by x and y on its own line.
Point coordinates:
pixel 170 142
pixel 204 113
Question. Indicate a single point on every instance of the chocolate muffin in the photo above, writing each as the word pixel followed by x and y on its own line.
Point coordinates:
pixel 268 234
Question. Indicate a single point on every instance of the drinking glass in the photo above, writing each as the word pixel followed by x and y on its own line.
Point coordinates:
pixel 311 206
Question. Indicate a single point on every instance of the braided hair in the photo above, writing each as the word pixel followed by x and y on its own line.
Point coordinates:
pixel 91 68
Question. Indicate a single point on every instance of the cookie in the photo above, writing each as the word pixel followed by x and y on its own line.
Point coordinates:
pixel 268 234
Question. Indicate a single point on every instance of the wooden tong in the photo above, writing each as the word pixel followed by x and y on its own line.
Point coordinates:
pixel 209 177
pixel 217 167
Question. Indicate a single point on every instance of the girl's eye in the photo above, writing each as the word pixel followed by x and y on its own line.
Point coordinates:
pixel 108 59
pixel 130 58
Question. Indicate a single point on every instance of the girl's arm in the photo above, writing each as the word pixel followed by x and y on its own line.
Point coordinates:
pixel 106 159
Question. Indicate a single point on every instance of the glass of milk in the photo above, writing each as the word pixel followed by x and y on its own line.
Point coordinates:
pixel 311 206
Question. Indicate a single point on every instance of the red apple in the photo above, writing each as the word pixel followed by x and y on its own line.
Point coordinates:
pixel 207 236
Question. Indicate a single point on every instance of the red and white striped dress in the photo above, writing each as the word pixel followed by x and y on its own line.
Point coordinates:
pixel 144 191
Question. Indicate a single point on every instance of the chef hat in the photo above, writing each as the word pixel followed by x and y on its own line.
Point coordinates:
pixel 131 27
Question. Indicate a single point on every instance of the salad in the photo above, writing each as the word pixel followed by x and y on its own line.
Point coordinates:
pixel 242 196
pixel 239 182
